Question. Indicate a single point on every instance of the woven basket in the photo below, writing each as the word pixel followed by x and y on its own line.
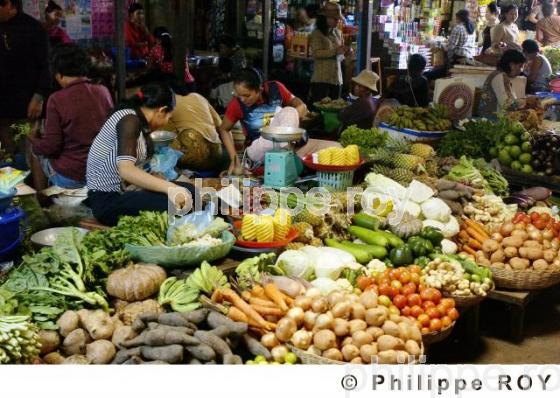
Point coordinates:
pixel 466 301
pixel 307 358
pixel 524 280
pixel 436 337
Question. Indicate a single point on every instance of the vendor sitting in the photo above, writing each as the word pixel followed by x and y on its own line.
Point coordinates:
pixel 73 118
pixel 538 68
pixel 137 35
pixel 362 111
pixel 497 93
pixel 117 184
pixel 412 90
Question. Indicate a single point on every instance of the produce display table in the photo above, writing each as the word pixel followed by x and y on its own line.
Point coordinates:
pixel 516 302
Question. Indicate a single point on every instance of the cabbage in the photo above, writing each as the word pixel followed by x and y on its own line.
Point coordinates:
pixel 325 285
pixel 448 247
pixel 451 228
pixel 329 262
pixel 296 263
pixel 419 192
pixel 380 183
pixel 408 206
pixel 436 209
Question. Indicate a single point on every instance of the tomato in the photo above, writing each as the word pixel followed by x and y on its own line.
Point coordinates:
pixel 405 277
pixel 399 301
pixel 396 285
pixel 425 330
pixel 518 217
pixel 427 304
pixel 416 311
pixel 414 300
pixel 405 311
pixel 448 303
pixel 415 278
pixel 424 320
pixel 442 309
pixel 418 324
pixel 453 314
pixel 385 289
pixel 364 281
pixel 383 281
pixel 384 300
pixel 394 310
pixel 535 216
pixel 435 325
pixel 545 216
pixel 446 321
pixel 425 294
pixel 395 273
pixel 373 288
pixel 415 269
pixel 433 313
pixel 431 294
pixel 407 290
pixel 540 224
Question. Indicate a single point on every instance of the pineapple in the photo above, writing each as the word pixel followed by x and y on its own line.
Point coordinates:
pixel 383 156
pixel 309 217
pixel 409 162
pixel 295 245
pixel 432 167
pixel 381 169
pixel 402 176
pixel 423 150
pixel 305 231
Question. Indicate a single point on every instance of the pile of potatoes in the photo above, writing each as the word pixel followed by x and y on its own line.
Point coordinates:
pixel 521 247
pixel 349 328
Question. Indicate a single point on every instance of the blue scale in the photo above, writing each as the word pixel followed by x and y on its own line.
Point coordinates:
pixel 282 167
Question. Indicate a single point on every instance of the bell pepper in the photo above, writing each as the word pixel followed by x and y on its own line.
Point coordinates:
pixel 432 234
pixel 400 256
pixel 420 246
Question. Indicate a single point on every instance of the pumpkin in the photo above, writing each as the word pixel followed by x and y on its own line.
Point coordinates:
pixel 135 282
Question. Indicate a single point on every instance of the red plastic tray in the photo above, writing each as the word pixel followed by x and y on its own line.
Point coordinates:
pixel 308 161
pixel 292 234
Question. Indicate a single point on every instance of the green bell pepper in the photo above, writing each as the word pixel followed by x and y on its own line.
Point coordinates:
pixel 400 256
pixel 420 246
pixel 432 234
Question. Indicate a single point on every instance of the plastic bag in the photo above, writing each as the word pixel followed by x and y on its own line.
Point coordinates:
pixel 199 219
pixel 286 117
pixel 164 162
pixel 9 178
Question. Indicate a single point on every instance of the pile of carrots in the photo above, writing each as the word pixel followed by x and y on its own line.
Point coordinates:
pixel 261 307
pixel 472 236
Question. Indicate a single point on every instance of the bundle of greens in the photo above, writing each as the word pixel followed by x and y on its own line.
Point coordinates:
pixel 466 173
pixel 498 184
pixel 149 228
pixel 19 340
pixel 367 139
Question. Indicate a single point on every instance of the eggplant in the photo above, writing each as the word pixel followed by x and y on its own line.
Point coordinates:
pixel 536 193
pixel 523 201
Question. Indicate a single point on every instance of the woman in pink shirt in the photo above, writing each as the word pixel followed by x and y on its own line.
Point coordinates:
pixel 53 15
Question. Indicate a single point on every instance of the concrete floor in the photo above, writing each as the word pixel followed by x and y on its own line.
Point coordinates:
pixel 541 343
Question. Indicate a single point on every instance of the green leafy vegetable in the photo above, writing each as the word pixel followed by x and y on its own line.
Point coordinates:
pixel 367 139
pixel 495 179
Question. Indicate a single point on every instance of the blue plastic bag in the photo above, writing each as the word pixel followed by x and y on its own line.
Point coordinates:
pixel 164 162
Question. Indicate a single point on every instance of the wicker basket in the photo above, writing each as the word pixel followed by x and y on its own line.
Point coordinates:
pixel 436 337
pixel 307 358
pixel 524 280
pixel 466 301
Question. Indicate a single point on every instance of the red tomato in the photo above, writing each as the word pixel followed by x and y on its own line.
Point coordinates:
pixel 385 289
pixel 383 281
pixel 446 321
pixel 448 303
pixel 421 287
pixel 435 325
pixel 363 282
pixel 427 304
pixel 399 301
pixel 431 294
pixel 415 278
pixel 518 217
pixel 417 323
pixel 442 309
pixel 395 273
pixel 416 311
pixel 415 269
pixel 424 320
pixel 425 330
pixel 407 290
pixel 540 224
pixel 433 313
pixel 396 285
pixel 453 314
pixel 405 311
pixel 405 277
pixel 425 294
pixel 393 292
pixel 414 299
pixel 535 216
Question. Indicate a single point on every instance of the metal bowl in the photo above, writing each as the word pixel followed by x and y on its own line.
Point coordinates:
pixel 47 237
pixel 282 134
pixel 162 138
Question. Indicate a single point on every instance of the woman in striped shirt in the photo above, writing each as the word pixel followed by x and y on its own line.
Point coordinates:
pixel 121 150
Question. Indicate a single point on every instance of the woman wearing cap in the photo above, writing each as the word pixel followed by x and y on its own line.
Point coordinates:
pixel 136 34
pixel 328 52
pixel 362 111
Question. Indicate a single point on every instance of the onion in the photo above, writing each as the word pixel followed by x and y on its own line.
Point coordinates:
pixel 296 314
pixel 309 319
pixel 313 292
pixel 302 339
pixel 279 353
pixel 269 340
pixel 320 305
pixel 285 328
pixel 497 237
pixel 341 327
pixel 335 298
pixel 324 321
pixel 303 302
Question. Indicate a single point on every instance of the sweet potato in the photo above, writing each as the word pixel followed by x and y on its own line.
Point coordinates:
pixel 138 325
pixel 175 319
pixel 216 319
pixel 100 352
pixel 98 324
pixel 50 340
pixel 68 322
pixel 197 316
pixel 202 352
pixel 194 361
pixel 255 347
pixel 171 353
pixel 217 344
pixel 221 331
pixel 124 355
pixel 75 343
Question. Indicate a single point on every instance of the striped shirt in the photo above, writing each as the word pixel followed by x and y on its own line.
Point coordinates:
pixel 102 172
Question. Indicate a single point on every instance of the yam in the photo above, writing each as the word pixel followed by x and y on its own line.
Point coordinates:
pixel 98 324
pixel 196 316
pixel 124 355
pixel 201 352
pixel 138 325
pixel 121 334
pixel 216 319
pixel 148 317
pixel 221 331
pixel 68 322
pixel 256 348
pixel 129 313
pixel 76 360
pixel 100 352
pixel 50 341
pixel 171 353
pixel 175 319
pixel 53 358
pixel 194 361
pixel 160 337
pixel 230 359
pixel 75 343
pixel 219 346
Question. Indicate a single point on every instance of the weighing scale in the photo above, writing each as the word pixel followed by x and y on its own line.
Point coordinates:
pixel 281 165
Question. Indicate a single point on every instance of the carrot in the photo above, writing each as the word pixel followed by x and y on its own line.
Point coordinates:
pixel 245 295
pixel 470 251
pixel 237 301
pixel 477 227
pixel 476 235
pixel 216 296
pixel 258 291
pixel 275 295
pixel 235 314
pixel 268 310
pixel 263 303
pixel 287 299
pixel 474 244
pixel 463 236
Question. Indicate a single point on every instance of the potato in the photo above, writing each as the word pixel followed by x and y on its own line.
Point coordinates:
pixel 333 353
pixel 509 252
pixel 54 358
pixel 531 253
pixel 404 330
pixel 342 310
pixel 50 340
pixel 357 361
pixel 376 316
pixel 498 256
pixel 356 325
pixel 361 337
pixel 68 322
pixel 549 255
pixel 415 333
pixel 387 357
pixel 314 350
pixel 387 342
pixel 347 340
pixel 368 299
pixel 349 352
pixel 341 327
pixel 375 332
pixel 546 244
pixel 517 263
pixel 324 339
pixel 499 265
pixel 320 305
pixel 532 243
pixel 335 297
pixel 412 347
pixel 540 265
pixel 76 360
pixel 521 234
pixel 100 352
pixel 484 261
pixel 490 246
pixel 514 241
pixel 367 351
pixel 394 318
pixel 391 328
pixel 404 357
pixel 358 311
pixel 75 343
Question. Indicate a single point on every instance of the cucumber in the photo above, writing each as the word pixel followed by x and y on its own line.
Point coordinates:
pixel 393 239
pixel 366 221
pixel 368 236
pixel 374 250
pixel 362 256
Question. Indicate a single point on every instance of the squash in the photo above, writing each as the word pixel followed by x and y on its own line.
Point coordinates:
pixel 135 282
pixel 407 226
